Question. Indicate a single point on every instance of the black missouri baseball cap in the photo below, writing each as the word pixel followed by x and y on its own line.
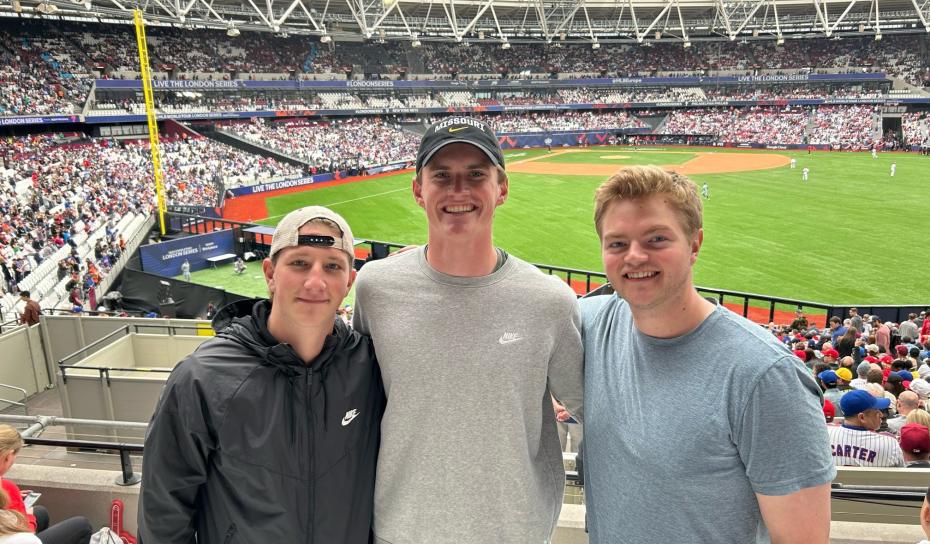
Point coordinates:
pixel 455 130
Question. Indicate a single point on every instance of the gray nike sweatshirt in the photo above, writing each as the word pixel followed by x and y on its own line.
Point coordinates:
pixel 469 449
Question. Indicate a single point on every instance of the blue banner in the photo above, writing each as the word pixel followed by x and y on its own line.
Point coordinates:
pixel 43 120
pixel 182 85
pixel 165 258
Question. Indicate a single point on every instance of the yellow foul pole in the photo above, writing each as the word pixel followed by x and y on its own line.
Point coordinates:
pixel 150 116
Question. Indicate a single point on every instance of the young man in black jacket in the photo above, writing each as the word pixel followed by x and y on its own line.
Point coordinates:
pixel 270 431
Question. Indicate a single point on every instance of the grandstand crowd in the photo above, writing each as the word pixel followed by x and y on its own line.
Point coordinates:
pixel 351 144
pixel 50 72
pixel 888 360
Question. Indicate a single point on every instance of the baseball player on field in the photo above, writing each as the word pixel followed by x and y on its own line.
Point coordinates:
pixel 856 443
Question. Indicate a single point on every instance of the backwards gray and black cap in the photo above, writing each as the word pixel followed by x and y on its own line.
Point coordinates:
pixel 459 130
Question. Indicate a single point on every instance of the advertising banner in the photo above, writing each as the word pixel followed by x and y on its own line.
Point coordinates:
pixel 388 84
pixel 165 258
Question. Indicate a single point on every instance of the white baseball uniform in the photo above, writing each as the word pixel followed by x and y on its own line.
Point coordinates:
pixel 858 447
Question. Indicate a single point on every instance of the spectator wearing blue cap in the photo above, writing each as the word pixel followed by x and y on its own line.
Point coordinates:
pixel 831 392
pixel 856 443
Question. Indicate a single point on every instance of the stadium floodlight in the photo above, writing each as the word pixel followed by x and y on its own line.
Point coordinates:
pixel 878 36
pixel 415 43
pixel 232 31
pixel 505 45
pixel 325 38
pixel 480 34
pixel 17 7
pixel 686 44
pixel 595 44
pixel 780 40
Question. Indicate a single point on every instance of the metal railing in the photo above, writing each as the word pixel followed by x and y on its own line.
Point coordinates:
pixel 23 398
pixel 585 281
pixel 37 424
pixel 67 362
pixel 127 475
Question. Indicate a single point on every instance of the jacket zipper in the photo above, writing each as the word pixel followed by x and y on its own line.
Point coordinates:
pixel 311 453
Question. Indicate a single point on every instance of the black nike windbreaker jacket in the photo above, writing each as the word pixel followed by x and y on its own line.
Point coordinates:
pixel 250 445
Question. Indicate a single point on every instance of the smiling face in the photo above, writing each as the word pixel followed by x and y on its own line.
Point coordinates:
pixel 459 188
pixel 307 283
pixel 647 253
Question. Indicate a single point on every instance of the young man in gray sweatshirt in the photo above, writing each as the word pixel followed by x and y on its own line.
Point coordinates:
pixel 470 341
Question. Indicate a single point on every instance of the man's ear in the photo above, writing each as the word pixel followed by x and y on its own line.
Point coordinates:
pixel 268 272
pixel 696 245
pixel 417 188
pixel 504 188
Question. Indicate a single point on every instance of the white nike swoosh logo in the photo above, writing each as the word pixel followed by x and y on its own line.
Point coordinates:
pixel 350 415
pixel 509 339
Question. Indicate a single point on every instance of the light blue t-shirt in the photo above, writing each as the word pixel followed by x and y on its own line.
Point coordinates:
pixel 680 433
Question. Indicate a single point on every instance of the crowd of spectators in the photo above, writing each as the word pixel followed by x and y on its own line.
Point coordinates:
pixel 51 183
pixel 886 359
pixel 569 120
pixel 916 128
pixel 37 79
pixel 766 125
pixel 350 144
pixel 794 92
pixel 846 127
pixel 47 70
pixel 181 102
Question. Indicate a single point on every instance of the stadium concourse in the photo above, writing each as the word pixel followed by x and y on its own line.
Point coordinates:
pixel 247 115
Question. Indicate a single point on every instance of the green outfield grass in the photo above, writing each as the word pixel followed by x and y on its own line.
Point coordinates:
pixel 250 284
pixel 852 234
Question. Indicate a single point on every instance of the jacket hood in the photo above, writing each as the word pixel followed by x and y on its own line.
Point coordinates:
pixel 246 322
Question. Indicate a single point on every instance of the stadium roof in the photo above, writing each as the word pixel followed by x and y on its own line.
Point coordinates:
pixel 498 21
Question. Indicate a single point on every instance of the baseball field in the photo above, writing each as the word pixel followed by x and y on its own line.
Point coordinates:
pixel 851 234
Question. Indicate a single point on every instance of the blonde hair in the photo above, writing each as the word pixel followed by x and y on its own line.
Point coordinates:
pixel 10 439
pixel 637 182
pixel 11 521
pixel 919 416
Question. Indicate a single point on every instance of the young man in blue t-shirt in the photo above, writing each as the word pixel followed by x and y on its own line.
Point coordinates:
pixel 743 454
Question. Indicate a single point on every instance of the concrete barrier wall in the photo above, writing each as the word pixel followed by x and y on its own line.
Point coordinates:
pixel 23 363
pixel 72 333
pixel 122 395
pixel 154 351
pixel 70 492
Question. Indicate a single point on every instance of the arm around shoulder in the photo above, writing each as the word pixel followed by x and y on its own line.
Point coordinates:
pixel 566 365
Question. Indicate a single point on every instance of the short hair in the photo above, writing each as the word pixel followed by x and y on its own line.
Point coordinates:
pixel 835 319
pixel 24 294
pixel 874 375
pixel 637 182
